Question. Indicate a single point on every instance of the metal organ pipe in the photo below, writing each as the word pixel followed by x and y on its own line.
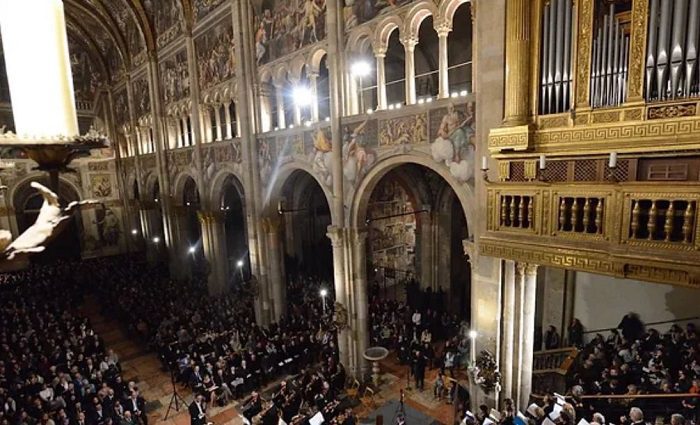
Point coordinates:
pixel 691 56
pixel 651 45
pixel 662 49
pixel 555 68
pixel 680 20
pixel 610 68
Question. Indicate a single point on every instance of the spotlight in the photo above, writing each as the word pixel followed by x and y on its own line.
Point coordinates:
pixel 428 100
pixel 308 123
pixel 291 126
pixel 302 96
pixel 192 250
pixel 239 264
pixel 399 105
pixel 156 239
pixel 328 119
pixel 463 93
pixel 454 94
pixel 324 292
pixel 421 101
pixel 277 129
pixel 360 69
pixel 134 232
pixel 391 107
pixel 473 334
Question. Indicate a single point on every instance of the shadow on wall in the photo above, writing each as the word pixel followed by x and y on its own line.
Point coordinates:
pixel 677 302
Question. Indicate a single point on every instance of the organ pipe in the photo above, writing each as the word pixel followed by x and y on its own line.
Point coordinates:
pixel 610 55
pixel 555 69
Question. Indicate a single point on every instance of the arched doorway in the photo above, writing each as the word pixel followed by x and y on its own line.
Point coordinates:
pixel 307 216
pixel 416 226
pixel 237 253
pixel 192 232
pixel 65 245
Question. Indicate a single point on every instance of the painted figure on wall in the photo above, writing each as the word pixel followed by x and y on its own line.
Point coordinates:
pixel 176 79
pixel 287 25
pixel 107 226
pixel 357 12
pixel 357 155
pixel 216 56
pixel 142 98
pixel 86 78
pixel 203 7
pixel 453 145
pixel 322 156
pixel 121 107
pixel 166 15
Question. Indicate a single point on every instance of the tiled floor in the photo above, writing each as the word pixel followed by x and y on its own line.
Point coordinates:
pixel 155 385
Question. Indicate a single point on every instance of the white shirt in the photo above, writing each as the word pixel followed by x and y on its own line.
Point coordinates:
pixel 416 318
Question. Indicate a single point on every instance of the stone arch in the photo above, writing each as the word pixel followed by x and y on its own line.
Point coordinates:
pixel 361 196
pixel 447 10
pixel 151 182
pixel 273 192
pixel 358 39
pixel 280 73
pixel 21 191
pixel 315 57
pixel 179 186
pixel 384 30
pixel 296 64
pixel 220 180
pixel 265 74
pixel 416 15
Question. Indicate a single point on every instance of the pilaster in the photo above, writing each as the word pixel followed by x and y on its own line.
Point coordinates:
pixel 337 236
pixel 271 227
pixel 517 62
pixel 360 334
pixel 214 247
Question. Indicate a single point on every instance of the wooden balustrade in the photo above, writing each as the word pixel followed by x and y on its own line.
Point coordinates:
pixel 664 220
pixel 516 211
pixel 581 214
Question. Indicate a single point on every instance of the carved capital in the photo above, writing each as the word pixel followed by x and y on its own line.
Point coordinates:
pixel 520 269
pixel 271 224
pixel 443 28
pixel 210 217
pixel 359 236
pixel 409 42
pixel 380 52
pixel 531 269
pixel 336 234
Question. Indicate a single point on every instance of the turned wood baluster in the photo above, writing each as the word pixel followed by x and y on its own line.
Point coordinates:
pixel 574 214
pixel 651 225
pixel 599 216
pixel 512 211
pixel 529 211
pixel 521 212
pixel 562 214
pixel 688 222
pixel 635 219
pixel 586 215
pixel 668 225
pixel 504 212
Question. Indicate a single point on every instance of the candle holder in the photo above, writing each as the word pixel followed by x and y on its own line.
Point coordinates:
pixel 485 174
pixel 611 177
pixel 541 176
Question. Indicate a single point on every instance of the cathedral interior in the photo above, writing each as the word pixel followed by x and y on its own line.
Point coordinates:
pixel 350 212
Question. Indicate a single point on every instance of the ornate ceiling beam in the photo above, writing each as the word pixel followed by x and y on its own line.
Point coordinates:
pixel 106 23
pixel 188 14
pixel 145 24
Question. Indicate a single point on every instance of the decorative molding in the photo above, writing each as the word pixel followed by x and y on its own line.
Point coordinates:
pixel 517 138
pixel 605 117
pixel 672 111
pixel 584 37
pixel 638 39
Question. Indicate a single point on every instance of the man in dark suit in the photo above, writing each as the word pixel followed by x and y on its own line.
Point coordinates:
pixel 198 411
pixel 137 406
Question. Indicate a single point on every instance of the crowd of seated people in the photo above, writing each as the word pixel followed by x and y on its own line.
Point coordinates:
pixel 632 361
pixel 213 344
pixel 54 368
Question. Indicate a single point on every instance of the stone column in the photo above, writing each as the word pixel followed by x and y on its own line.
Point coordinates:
pixel 206 119
pixel 518 332
pixel 409 44
pixel 361 326
pixel 185 135
pixel 381 79
pixel 217 117
pixel 313 83
pixel 443 30
pixel 527 334
pixel 337 237
pixel 179 267
pixel 214 247
pixel 517 94
pixel 279 97
pixel 227 114
pixel 271 227
pixel 508 329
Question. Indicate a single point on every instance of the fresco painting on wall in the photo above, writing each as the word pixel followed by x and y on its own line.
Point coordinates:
pixel 121 107
pixel 357 12
pixel 166 15
pixel 358 153
pixel 203 7
pixel 321 157
pixel 411 130
pixel 265 155
pixel 453 145
pixel 175 77
pixel 142 98
pixel 86 77
pixel 392 240
pixel 100 186
pixel 216 56
pixel 284 26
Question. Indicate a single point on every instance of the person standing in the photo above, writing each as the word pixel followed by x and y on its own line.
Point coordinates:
pixel 197 411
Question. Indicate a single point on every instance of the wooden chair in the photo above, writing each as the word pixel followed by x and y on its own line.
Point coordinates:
pixel 353 390
pixel 368 398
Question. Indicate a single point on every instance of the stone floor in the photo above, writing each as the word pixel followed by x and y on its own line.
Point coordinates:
pixel 155 385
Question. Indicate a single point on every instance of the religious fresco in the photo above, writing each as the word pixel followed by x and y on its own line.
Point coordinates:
pixel 322 157
pixel 121 107
pixel 134 40
pixel 100 185
pixel 452 143
pixel 410 130
pixel 356 12
pixel 115 65
pixel 217 155
pixel 142 98
pixel 86 77
pixel 175 77
pixel 359 143
pixel 166 16
pixel 283 26
pixel 266 153
pixel 392 241
pixel 215 55
pixel 203 7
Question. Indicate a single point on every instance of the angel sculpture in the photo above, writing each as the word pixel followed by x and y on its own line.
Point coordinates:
pixel 48 223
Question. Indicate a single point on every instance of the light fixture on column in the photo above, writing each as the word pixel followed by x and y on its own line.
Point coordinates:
pixel 472 346
pixel 361 69
pixel 612 166
pixel 485 168
pixel 302 96
pixel 192 250
pixel 324 294
pixel 41 86
pixel 134 232
pixel 542 166
pixel 156 239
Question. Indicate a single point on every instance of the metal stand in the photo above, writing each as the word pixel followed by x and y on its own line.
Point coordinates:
pixel 175 399
pixel 400 413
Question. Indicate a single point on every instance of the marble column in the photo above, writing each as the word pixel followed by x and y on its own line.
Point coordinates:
pixel 443 30
pixel 271 227
pixel 508 329
pixel 381 79
pixel 313 83
pixel 526 290
pixel 337 237
pixel 279 97
pixel 517 94
pixel 214 246
pixel 227 114
pixel 217 117
pixel 409 44
pixel 361 326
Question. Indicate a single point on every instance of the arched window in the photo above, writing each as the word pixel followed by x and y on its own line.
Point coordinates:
pixel 234 118
pixel 363 69
pixel 303 90
pixel 288 106
pixel 323 90
pixel 459 51
pixel 426 60
pixel 395 70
